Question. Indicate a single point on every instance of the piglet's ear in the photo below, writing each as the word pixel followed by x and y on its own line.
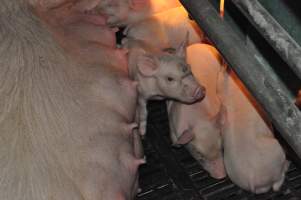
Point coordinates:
pixel 186 137
pixel 147 65
pixel 181 50
pixel 138 4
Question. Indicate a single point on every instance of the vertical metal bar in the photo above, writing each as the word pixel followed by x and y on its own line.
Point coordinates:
pixel 268 90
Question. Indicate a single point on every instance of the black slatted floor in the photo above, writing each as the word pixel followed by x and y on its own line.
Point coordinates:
pixel 172 174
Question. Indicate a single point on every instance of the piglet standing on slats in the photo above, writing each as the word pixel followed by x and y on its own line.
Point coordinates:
pixel 253 158
pixel 198 126
pixel 160 75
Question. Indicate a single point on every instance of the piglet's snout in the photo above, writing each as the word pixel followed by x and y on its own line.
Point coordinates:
pixel 192 90
pixel 199 93
pixel 195 92
pixel 215 168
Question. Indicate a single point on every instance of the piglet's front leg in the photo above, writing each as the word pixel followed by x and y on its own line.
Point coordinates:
pixel 142 113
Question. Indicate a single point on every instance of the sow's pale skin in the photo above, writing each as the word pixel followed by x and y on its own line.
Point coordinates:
pixel 65 132
pixel 198 126
pixel 160 75
pixel 253 158
pixel 83 33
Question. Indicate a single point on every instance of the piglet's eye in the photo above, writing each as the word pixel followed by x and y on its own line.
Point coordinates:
pixel 170 79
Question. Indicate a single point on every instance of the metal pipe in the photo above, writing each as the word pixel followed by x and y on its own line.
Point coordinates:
pixel 272 31
pixel 268 89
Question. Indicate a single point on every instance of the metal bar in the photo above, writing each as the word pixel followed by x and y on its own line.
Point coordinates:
pixel 269 90
pixel 279 39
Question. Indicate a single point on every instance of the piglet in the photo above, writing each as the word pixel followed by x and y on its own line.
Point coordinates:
pixel 160 75
pixel 197 126
pixel 124 12
pixel 253 158
pixel 166 29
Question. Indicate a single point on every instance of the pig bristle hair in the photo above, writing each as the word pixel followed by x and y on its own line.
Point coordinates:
pixel 28 135
pixel 10 6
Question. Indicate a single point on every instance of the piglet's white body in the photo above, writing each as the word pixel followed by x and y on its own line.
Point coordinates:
pixel 168 28
pixel 198 125
pixel 253 158
pixel 125 12
pixel 161 75
pixel 194 126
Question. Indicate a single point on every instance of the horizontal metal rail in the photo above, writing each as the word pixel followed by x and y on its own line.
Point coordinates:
pixel 263 83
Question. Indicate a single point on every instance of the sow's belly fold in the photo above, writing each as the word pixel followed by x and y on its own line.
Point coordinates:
pixel 74 145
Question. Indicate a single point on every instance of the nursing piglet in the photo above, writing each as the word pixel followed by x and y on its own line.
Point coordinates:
pixel 253 158
pixel 161 75
pixel 124 12
pixel 166 29
pixel 197 126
